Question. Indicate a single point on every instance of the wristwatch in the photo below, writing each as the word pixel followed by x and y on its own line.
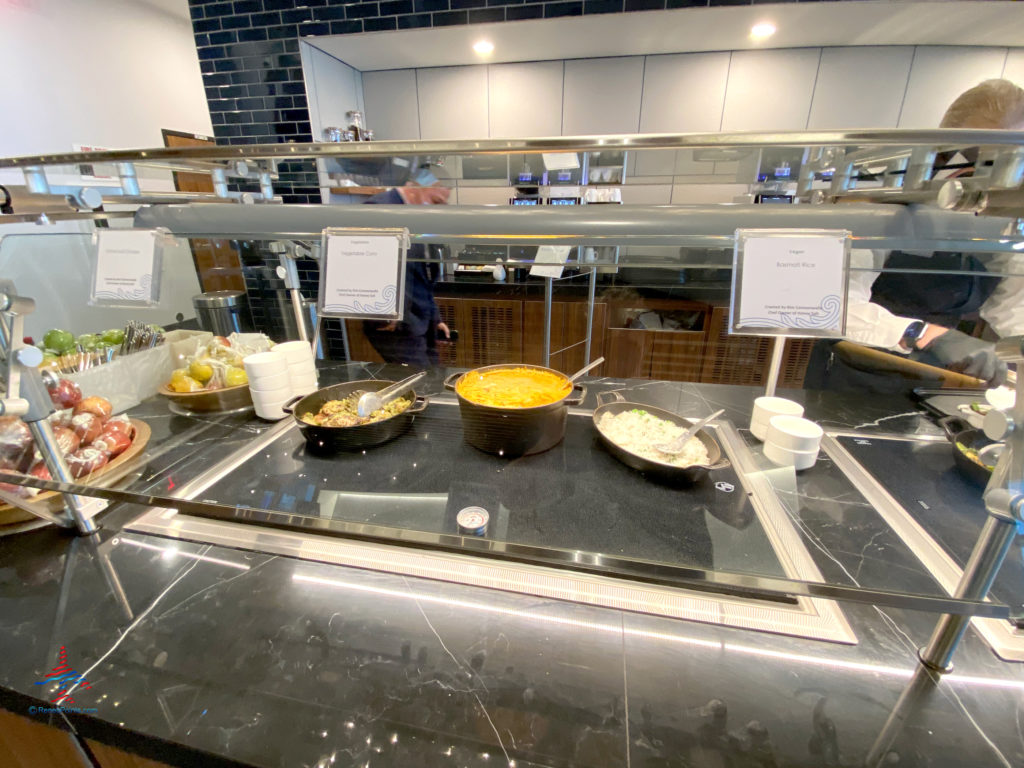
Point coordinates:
pixel 914 332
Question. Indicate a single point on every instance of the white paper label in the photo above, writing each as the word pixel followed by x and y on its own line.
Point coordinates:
pixel 792 283
pixel 361 273
pixel 549 260
pixel 124 265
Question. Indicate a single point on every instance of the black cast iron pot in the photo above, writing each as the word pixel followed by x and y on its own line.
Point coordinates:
pixel 512 432
pixel 357 437
pixel 963 436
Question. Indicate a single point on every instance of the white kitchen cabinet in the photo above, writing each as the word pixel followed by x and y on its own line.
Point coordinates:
pixel 602 95
pixel 391 108
pixel 525 99
pixel 684 92
pixel 453 102
pixel 941 73
pixel 770 90
pixel 860 87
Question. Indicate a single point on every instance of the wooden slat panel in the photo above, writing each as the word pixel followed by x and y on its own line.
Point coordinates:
pixel 568 326
pixel 25 743
pixel 676 355
pixel 628 353
pixel 794 362
pixel 112 757
pixel 359 346
pixel 496 332
pixel 732 359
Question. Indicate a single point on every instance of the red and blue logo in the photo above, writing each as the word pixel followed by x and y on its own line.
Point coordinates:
pixel 66 679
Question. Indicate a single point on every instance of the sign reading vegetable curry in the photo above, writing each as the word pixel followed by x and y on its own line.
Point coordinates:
pixel 790 282
pixel 362 273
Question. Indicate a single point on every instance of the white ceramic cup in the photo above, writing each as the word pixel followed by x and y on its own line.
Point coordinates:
pixel 794 433
pixel 296 351
pixel 784 457
pixel 264 364
pixel 765 408
pixel 270 383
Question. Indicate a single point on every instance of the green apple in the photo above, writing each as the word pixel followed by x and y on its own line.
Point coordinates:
pixel 88 341
pixel 113 337
pixel 59 341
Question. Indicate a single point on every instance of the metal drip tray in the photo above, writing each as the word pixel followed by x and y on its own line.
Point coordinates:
pixel 570 523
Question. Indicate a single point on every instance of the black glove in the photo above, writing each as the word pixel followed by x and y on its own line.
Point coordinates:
pixel 965 354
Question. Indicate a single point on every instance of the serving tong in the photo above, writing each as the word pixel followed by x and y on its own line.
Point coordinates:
pixel 374 401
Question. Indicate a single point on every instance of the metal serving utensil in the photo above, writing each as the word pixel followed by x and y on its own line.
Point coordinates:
pixel 581 371
pixel 677 445
pixel 374 401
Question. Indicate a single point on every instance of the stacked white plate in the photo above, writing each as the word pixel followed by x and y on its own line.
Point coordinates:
pixel 792 442
pixel 301 366
pixel 767 407
pixel 269 383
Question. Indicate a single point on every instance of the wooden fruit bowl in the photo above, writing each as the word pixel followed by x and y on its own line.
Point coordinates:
pixel 210 401
pixel 103 477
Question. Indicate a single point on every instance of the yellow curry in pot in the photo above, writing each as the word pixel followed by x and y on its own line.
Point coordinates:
pixel 513 387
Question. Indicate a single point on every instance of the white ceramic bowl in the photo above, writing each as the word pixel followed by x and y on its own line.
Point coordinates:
pixel 784 457
pixel 765 408
pixel 295 351
pixel 305 387
pixel 264 364
pixel 271 412
pixel 270 383
pixel 272 397
pixel 305 368
pixel 794 433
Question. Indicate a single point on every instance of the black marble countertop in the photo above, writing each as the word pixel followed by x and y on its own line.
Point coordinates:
pixel 204 655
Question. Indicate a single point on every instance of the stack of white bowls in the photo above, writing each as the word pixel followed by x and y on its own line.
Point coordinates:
pixel 269 383
pixel 767 407
pixel 301 366
pixel 792 442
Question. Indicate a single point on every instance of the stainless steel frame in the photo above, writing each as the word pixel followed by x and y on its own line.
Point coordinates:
pixel 900 138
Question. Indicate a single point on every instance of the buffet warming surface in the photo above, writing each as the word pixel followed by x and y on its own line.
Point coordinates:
pixel 575 496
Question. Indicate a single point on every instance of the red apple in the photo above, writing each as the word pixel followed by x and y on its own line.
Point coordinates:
pixel 65 393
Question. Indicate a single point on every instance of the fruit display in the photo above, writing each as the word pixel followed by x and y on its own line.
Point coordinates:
pixel 218 363
pixel 63 352
pixel 88 436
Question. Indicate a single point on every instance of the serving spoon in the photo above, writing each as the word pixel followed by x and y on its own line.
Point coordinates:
pixel 581 371
pixel 677 445
pixel 374 401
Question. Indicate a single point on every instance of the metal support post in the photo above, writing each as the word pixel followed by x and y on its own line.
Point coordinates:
pixel 775 368
pixel 919 169
pixel 220 182
pixel 266 186
pixel 592 289
pixel 129 179
pixel 548 289
pixel 35 180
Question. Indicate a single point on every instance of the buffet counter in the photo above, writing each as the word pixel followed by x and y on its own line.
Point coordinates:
pixel 229 653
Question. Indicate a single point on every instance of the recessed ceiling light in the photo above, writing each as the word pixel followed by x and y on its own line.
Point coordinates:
pixel 483 47
pixel 762 30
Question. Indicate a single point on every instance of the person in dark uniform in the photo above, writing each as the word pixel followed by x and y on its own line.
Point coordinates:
pixel 413 340
pixel 915 313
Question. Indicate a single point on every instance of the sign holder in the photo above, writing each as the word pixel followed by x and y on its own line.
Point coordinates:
pixel 789 283
pixel 362 273
pixel 127 267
